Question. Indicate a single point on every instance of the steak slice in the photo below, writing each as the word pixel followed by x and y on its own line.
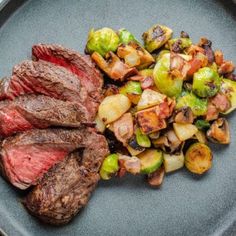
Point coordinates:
pixel 63 191
pixel 48 79
pixel 26 157
pixel 31 111
pixel 82 66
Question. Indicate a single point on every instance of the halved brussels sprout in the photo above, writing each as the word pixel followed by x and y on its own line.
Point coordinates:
pixel 206 82
pixel 197 105
pixel 126 37
pixel 102 41
pixel 228 87
pixel 151 160
pixel 156 37
pixel 178 44
pixel 198 158
pixel 165 82
pixel 109 166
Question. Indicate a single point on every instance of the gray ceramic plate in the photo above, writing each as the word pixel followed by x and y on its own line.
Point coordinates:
pixel 185 205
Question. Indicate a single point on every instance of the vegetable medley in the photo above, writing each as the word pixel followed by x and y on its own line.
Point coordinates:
pixel 163 101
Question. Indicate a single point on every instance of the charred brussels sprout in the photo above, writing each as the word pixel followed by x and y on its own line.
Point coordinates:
pixel 178 44
pixel 126 37
pixel 197 105
pixel 109 166
pixel 206 82
pixel 156 37
pixel 198 158
pixel 102 41
pixel 164 80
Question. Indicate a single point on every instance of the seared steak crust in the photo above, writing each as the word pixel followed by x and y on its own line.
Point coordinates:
pixel 63 191
pixel 31 111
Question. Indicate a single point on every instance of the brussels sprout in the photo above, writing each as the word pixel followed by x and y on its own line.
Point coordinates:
pixel 161 53
pixel 126 37
pixel 109 166
pixel 102 41
pixel 228 88
pixel 165 82
pixel 206 82
pixel 156 37
pixel 132 87
pixel 197 105
pixel 198 158
pixel 142 139
pixel 202 124
pixel 151 160
pixel 178 44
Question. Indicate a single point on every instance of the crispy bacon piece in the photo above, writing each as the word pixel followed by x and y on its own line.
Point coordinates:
pixel 219 58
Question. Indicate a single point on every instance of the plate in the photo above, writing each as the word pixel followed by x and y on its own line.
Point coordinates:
pixel 185 205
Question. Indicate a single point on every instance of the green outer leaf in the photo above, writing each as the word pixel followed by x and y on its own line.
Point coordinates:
pixel 197 105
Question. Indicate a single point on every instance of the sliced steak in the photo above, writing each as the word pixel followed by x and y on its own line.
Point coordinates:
pixel 63 191
pixel 82 66
pixel 26 157
pixel 31 111
pixel 47 79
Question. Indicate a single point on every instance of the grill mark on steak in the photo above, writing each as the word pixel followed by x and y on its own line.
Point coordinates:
pixel 63 191
pixel 26 157
pixel 82 66
pixel 31 111
pixel 48 79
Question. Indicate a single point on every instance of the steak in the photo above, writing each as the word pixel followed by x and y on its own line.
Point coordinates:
pixel 63 191
pixel 31 111
pixel 26 157
pixel 82 66
pixel 48 79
